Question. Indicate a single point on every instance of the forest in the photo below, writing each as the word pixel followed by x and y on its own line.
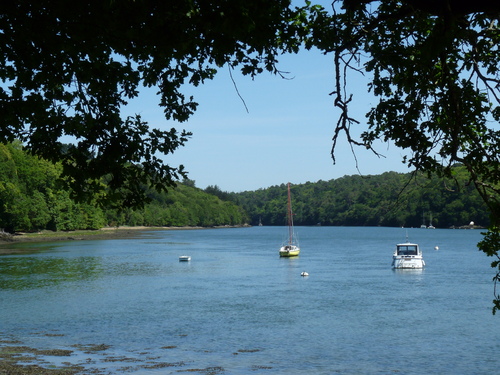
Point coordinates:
pixel 389 199
pixel 32 198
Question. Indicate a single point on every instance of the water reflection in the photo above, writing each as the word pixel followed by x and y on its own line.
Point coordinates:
pixel 408 271
pixel 33 272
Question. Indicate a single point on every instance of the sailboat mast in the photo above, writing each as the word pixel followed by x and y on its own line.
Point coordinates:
pixel 290 217
pixel 290 249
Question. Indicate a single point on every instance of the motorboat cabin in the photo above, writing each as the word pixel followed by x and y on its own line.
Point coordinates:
pixel 407 255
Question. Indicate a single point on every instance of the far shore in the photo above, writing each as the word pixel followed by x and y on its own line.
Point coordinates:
pixel 78 235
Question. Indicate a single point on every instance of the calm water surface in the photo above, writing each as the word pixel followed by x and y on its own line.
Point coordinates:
pixel 237 308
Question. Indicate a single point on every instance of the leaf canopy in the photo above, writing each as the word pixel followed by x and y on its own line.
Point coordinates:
pixel 69 68
pixel 433 67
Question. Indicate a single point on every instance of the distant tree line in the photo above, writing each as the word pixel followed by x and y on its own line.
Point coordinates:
pixel 389 199
pixel 32 199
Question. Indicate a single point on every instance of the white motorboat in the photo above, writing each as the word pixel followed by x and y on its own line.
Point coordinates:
pixel 184 258
pixel 407 255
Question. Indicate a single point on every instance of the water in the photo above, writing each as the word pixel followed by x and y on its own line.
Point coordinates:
pixel 237 308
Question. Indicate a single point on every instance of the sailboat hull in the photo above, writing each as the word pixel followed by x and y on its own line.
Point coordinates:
pixel 289 251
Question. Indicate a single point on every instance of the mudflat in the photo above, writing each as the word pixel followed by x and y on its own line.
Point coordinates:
pixel 79 235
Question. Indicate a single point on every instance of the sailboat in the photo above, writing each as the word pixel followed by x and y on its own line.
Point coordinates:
pixel 430 224
pixel 423 222
pixel 291 247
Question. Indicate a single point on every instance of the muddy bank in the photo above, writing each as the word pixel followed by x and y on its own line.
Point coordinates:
pixel 102 234
pixel 48 236
pixel 19 359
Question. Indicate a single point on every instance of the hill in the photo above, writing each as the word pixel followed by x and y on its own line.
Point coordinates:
pixel 32 198
pixel 389 199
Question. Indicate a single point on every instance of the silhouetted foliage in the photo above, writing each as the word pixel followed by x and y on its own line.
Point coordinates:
pixel 69 68
pixel 432 67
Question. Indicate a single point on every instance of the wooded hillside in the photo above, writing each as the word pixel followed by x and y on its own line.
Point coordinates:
pixel 31 199
pixel 389 199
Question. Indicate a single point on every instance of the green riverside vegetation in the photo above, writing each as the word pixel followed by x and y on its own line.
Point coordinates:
pixel 32 199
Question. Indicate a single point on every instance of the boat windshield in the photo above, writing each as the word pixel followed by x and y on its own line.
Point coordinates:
pixel 407 249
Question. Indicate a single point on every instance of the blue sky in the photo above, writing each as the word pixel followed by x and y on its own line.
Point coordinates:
pixel 285 136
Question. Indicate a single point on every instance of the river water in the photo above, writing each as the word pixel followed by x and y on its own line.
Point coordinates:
pixel 237 308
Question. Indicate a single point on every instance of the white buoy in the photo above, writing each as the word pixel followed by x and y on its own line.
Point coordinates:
pixel 304 274
pixel 436 248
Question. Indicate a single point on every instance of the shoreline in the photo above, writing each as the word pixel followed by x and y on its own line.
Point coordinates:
pixel 115 233
pixel 108 233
